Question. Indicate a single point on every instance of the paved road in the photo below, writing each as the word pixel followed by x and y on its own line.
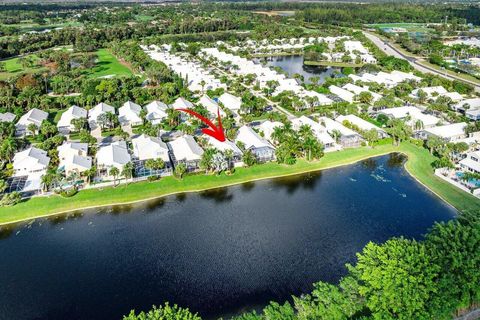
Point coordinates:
pixel 392 51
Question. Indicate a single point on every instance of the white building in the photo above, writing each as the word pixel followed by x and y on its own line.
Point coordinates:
pixel 268 127
pixel 357 90
pixel 472 162
pixel 450 132
pixel 74 158
pixel 437 91
pixel 113 155
pixel 224 146
pixel 129 113
pixel 97 111
pixel 469 107
pixel 7 117
pixel 361 124
pixel 182 103
pixel 252 141
pixel 211 106
pixel 32 161
pixel 146 147
pixel 345 95
pixel 318 130
pixel 347 138
pixel 186 150
pixel 355 46
pixel 412 115
pixel 231 102
pixel 65 125
pixel 156 112
pixel 34 116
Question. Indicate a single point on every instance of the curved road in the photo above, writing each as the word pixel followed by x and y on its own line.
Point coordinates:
pixel 392 51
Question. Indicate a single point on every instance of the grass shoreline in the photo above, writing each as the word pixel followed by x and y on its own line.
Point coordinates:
pixel 417 165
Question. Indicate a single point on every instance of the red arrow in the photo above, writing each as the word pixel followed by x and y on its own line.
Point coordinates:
pixel 215 131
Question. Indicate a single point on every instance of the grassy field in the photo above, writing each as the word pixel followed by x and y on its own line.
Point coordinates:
pixel 418 165
pixel 108 65
pixel 14 66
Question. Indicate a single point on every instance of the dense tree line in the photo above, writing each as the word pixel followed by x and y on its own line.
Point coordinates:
pixel 435 278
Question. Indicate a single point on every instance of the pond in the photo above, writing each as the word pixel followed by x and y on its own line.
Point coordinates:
pixel 294 64
pixel 219 252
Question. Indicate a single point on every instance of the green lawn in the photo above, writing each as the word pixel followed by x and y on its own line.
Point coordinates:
pixel 14 66
pixel 418 165
pixel 108 65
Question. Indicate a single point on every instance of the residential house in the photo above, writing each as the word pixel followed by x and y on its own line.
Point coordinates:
pixel 65 125
pixel 211 106
pixel 268 127
pixel 347 138
pixel 361 124
pixel 449 133
pixel 252 141
pixel 95 113
pixel 231 102
pixel 413 116
pixel 185 150
pixel 129 114
pixel 32 161
pixel 114 155
pixel 34 116
pixel 472 162
pixel 156 112
pixel 73 158
pixel 319 131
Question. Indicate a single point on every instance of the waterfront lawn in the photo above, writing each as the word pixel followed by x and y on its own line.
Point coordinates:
pixel 419 165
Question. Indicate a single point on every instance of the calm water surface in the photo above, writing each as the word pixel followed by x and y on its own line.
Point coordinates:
pixel 218 252
pixel 294 64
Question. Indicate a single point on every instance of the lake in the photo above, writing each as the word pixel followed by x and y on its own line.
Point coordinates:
pixel 218 252
pixel 294 64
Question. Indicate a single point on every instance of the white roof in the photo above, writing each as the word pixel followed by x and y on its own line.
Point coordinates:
pixel 251 139
pixel 414 113
pixel 211 105
pixel 318 130
pixel 342 93
pixel 31 159
pixel 230 101
pixel 186 148
pixel 223 146
pixel 267 127
pixel 98 110
pixel 155 106
pixel 359 122
pixel 182 103
pixel 129 112
pixel 7 117
pixel 146 147
pixel 357 90
pixel 34 116
pixel 473 104
pixel 156 111
pixel 332 125
pixel 74 112
pixel 448 131
pixel 115 154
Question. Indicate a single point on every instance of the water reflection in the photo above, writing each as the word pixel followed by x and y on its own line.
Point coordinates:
pixel 219 195
pixel 216 252
pixel 294 65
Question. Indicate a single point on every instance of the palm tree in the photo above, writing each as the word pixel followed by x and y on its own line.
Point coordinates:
pixel 127 171
pixel 90 174
pixel 114 172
